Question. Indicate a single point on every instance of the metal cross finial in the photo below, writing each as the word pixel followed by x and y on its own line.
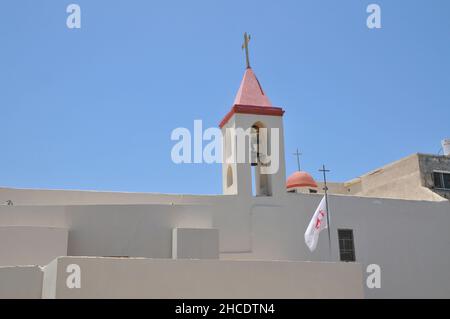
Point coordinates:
pixel 324 171
pixel 298 154
pixel 247 38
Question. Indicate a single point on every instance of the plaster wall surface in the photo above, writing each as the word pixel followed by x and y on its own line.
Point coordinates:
pixel 31 245
pixel 23 282
pixel 195 243
pixel 408 239
pixel 166 278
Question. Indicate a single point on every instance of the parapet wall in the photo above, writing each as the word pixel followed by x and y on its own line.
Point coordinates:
pixel 98 277
pixel 165 278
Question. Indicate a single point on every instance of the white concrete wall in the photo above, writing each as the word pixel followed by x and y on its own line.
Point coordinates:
pixel 44 197
pixel 408 239
pixel 31 245
pixel 153 278
pixel 23 282
pixel 195 243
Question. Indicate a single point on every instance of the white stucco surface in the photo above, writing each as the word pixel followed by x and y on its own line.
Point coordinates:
pixel 31 245
pixel 195 243
pixel 166 278
pixel 408 239
pixel 21 282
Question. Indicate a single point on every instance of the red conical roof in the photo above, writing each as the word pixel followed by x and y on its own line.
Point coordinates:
pixel 251 99
pixel 250 92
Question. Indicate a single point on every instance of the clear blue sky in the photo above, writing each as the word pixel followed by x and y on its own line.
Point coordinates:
pixel 94 108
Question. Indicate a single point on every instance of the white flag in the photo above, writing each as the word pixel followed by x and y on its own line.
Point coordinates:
pixel 317 223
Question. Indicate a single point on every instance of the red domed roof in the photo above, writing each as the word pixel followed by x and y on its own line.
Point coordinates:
pixel 300 179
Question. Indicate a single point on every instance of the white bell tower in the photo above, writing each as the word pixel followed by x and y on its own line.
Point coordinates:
pixel 254 141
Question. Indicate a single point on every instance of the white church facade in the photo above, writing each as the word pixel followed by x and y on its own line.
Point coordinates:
pixel 246 243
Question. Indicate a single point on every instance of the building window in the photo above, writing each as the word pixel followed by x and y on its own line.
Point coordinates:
pixel 441 180
pixel 346 245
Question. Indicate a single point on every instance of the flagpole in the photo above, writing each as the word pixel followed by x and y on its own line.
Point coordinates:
pixel 324 171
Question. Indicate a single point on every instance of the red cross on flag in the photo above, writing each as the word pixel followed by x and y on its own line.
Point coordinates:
pixel 317 223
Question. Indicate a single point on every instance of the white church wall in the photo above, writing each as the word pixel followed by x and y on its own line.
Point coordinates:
pixel 30 245
pixel 139 230
pixel 43 197
pixel 166 278
pixel 45 216
pixel 409 240
pixel 195 243
pixel 24 282
pixel 135 231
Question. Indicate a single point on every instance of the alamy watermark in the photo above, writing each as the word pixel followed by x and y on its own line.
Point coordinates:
pixel 374 278
pixel 255 145
pixel 74 278
pixel 374 19
pixel 73 21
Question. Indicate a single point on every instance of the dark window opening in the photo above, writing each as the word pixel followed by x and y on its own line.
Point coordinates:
pixel 346 245
pixel 446 178
pixel 441 180
pixel 261 182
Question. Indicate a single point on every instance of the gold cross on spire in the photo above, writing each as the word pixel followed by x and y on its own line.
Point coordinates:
pixel 247 38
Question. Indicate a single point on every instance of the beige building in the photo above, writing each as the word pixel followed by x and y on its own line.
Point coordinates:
pixel 416 177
